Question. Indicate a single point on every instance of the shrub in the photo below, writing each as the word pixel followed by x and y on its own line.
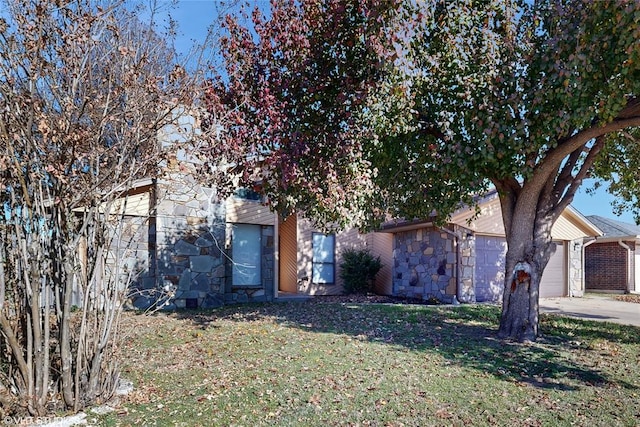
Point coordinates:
pixel 358 270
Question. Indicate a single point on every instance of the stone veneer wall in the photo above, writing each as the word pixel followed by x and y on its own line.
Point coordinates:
pixel 189 234
pixel 576 272
pixel 187 266
pixel 427 265
pixel 466 265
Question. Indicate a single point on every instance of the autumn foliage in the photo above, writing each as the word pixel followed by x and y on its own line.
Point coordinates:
pixel 84 89
pixel 364 111
pixel 298 80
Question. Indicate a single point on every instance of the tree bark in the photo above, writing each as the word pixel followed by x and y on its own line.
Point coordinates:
pixel 519 320
pixel 66 357
pixel 527 256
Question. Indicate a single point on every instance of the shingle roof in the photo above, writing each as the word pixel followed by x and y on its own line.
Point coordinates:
pixel 613 228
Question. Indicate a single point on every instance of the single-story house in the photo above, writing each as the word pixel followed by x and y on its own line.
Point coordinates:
pixel 190 249
pixel 612 261
pixel 207 253
pixel 193 251
pixel 466 259
pixel 198 251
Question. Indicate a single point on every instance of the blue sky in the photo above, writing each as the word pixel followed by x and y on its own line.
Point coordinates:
pixel 195 16
pixel 598 204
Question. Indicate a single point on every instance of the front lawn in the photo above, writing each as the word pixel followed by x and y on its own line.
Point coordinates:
pixel 332 364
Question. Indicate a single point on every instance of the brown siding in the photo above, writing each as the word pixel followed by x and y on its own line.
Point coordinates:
pixel 606 267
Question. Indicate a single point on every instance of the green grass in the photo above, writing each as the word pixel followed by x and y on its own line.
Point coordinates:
pixel 331 364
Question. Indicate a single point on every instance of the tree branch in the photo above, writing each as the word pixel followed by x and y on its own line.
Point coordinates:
pixel 565 175
pixel 549 165
pixel 508 192
pixel 429 128
pixel 575 183
pixel 554 189
pixel 16 349
pixel 631 110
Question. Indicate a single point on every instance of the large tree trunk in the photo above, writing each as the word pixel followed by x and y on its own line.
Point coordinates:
pixel 527 257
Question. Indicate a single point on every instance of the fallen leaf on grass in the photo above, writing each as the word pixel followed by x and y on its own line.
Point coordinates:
pixel 314 400
pixel 444 413
pixel 380 403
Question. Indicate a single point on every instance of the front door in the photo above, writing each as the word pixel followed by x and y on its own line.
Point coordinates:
pixel 288 254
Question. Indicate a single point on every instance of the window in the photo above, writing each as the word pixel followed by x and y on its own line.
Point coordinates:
pixel 323 262
pixel 247 194
pixel 246 251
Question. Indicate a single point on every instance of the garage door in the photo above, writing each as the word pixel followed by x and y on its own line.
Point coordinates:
pixel 490 259
pixel 554 281
pixel 490 263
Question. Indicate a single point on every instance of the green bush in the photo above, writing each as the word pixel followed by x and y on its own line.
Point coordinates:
pixel 358 270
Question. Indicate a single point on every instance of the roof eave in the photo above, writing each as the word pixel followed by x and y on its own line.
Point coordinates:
pixel 591 227
pixel 610 239
pixel 397 227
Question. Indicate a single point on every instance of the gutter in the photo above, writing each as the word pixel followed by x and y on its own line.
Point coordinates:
pixel 584 285
pixel 629 254
pixel 276 257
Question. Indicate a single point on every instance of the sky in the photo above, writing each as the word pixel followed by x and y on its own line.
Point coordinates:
pixel 599 204
pixel 195 16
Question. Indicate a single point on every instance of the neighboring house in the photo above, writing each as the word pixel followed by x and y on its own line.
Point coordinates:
pixel 465 260
pixel 612 260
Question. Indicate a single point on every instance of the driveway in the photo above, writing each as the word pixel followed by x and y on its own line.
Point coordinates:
pixel 594 307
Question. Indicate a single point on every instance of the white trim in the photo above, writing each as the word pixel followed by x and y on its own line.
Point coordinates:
pixel 629 267
pixel 276 256
pixel 615 239
pixel 573 211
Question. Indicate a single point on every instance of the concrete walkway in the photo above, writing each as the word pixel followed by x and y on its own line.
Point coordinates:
pixel 594 307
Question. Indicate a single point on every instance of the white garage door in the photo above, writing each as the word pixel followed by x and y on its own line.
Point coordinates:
pixel 490 259
pixel 554 281
pixel 489 277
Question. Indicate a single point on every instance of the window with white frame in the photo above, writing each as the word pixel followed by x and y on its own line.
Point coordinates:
pixel 323 258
